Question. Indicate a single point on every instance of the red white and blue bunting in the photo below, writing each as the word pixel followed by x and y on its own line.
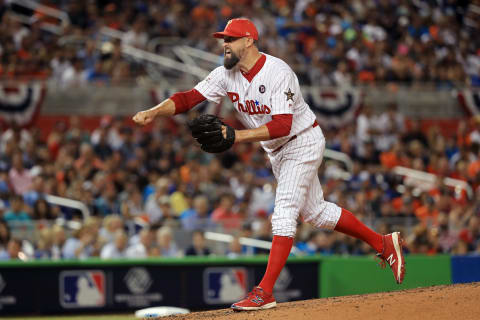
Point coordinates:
pixel 334 107
pixel 20 103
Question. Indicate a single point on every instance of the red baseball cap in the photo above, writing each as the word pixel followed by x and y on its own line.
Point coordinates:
pixel 238 28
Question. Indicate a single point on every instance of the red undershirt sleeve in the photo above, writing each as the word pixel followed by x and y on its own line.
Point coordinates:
pixel 280 125
pixel 186 100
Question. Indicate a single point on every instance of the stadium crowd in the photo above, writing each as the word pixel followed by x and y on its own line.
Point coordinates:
pixel 325 42
pixel 145 185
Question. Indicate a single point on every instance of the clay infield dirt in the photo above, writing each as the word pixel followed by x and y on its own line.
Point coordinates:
pixel 461 301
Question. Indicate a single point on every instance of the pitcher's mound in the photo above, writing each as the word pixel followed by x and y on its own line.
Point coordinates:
pixel 461 301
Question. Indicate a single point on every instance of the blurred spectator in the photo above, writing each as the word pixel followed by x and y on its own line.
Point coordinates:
pixel 13 251
pixel 58 241
pixel 132 206
pixel 471 234
pixel 198 246
pixel 20 177
pixel 111 225
pixel 421 241
pixel 166 245
pixel 87 161
pixel 225 215
pixel 309 247
pixel 117 248
pixel 446 237
pixel 143 247
pixel 427 213
pixel 155 200
pixel 16 212
pixel 234 248
pixel 178 200
pixel 97 74
pixel 137 36
pixel 474 135
pixel 74 75
pixel 108 202
pixel 36 191
pixel 197 217
pixel 365 130
pixel 4 235
pixel 390 126
pixel 247 232
pixel 81 245
pixel 43 211
pixel 44 245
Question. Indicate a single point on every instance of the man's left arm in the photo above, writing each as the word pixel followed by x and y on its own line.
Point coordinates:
pixel 279 126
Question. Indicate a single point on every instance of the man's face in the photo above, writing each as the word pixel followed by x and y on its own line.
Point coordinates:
pixel 13 249
pixel 233 50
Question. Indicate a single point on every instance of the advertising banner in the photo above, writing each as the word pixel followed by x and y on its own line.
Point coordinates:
pixel 94 287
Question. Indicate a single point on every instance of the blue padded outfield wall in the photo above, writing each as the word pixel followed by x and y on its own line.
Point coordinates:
pixel 465 269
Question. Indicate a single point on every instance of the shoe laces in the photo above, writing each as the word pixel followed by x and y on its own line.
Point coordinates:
pixel 380 261
pixel 257 291
pixel 379 256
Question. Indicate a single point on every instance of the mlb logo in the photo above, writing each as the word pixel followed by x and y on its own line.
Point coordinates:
pixel 82 289
pixel 224 285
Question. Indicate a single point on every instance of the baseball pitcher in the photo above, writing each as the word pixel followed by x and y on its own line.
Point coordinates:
pixel 266 93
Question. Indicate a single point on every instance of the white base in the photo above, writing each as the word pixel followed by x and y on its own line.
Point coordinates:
pixel 155 312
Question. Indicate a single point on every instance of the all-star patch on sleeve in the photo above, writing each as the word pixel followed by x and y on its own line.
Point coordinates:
pixel 285 93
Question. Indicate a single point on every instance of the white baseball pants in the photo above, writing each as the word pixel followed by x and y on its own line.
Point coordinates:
pixel 295 167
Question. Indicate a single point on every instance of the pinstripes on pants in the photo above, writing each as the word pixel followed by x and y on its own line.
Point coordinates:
pixel 299 192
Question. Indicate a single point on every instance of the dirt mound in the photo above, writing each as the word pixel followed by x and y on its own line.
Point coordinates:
pixel 461 301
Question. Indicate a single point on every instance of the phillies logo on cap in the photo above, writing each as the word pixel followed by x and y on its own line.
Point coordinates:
pixel 238 28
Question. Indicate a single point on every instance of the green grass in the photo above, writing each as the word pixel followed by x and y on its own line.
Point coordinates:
pixel 86 317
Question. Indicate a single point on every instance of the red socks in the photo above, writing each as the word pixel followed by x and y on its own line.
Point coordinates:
pixel 281 246
pixel 279 252
pixel 351 226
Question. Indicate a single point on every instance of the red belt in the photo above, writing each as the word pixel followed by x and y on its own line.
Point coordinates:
pixel 293 138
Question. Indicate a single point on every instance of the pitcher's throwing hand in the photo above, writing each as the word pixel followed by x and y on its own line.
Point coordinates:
pixel 143 117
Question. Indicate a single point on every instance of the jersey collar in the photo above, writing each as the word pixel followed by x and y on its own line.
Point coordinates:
pixel 255 69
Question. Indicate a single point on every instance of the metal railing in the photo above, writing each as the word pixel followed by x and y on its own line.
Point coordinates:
pixel 427 180
pixel 227 238
pixel 47 11
pixel 188 66
pixel 200 54
pixel 69 203
pixel 343 158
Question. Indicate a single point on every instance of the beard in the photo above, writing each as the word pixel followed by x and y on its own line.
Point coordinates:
pixel 231 62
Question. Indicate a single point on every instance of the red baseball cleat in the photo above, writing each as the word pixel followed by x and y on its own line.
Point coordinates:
pixel 257 299
pixel 393 254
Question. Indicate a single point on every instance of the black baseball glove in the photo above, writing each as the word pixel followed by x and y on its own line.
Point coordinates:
pixel 207 130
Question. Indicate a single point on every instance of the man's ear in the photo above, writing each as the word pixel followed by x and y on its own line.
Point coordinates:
pixel 249 42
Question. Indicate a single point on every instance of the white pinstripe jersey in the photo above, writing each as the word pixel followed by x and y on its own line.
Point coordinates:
pixel 273 90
